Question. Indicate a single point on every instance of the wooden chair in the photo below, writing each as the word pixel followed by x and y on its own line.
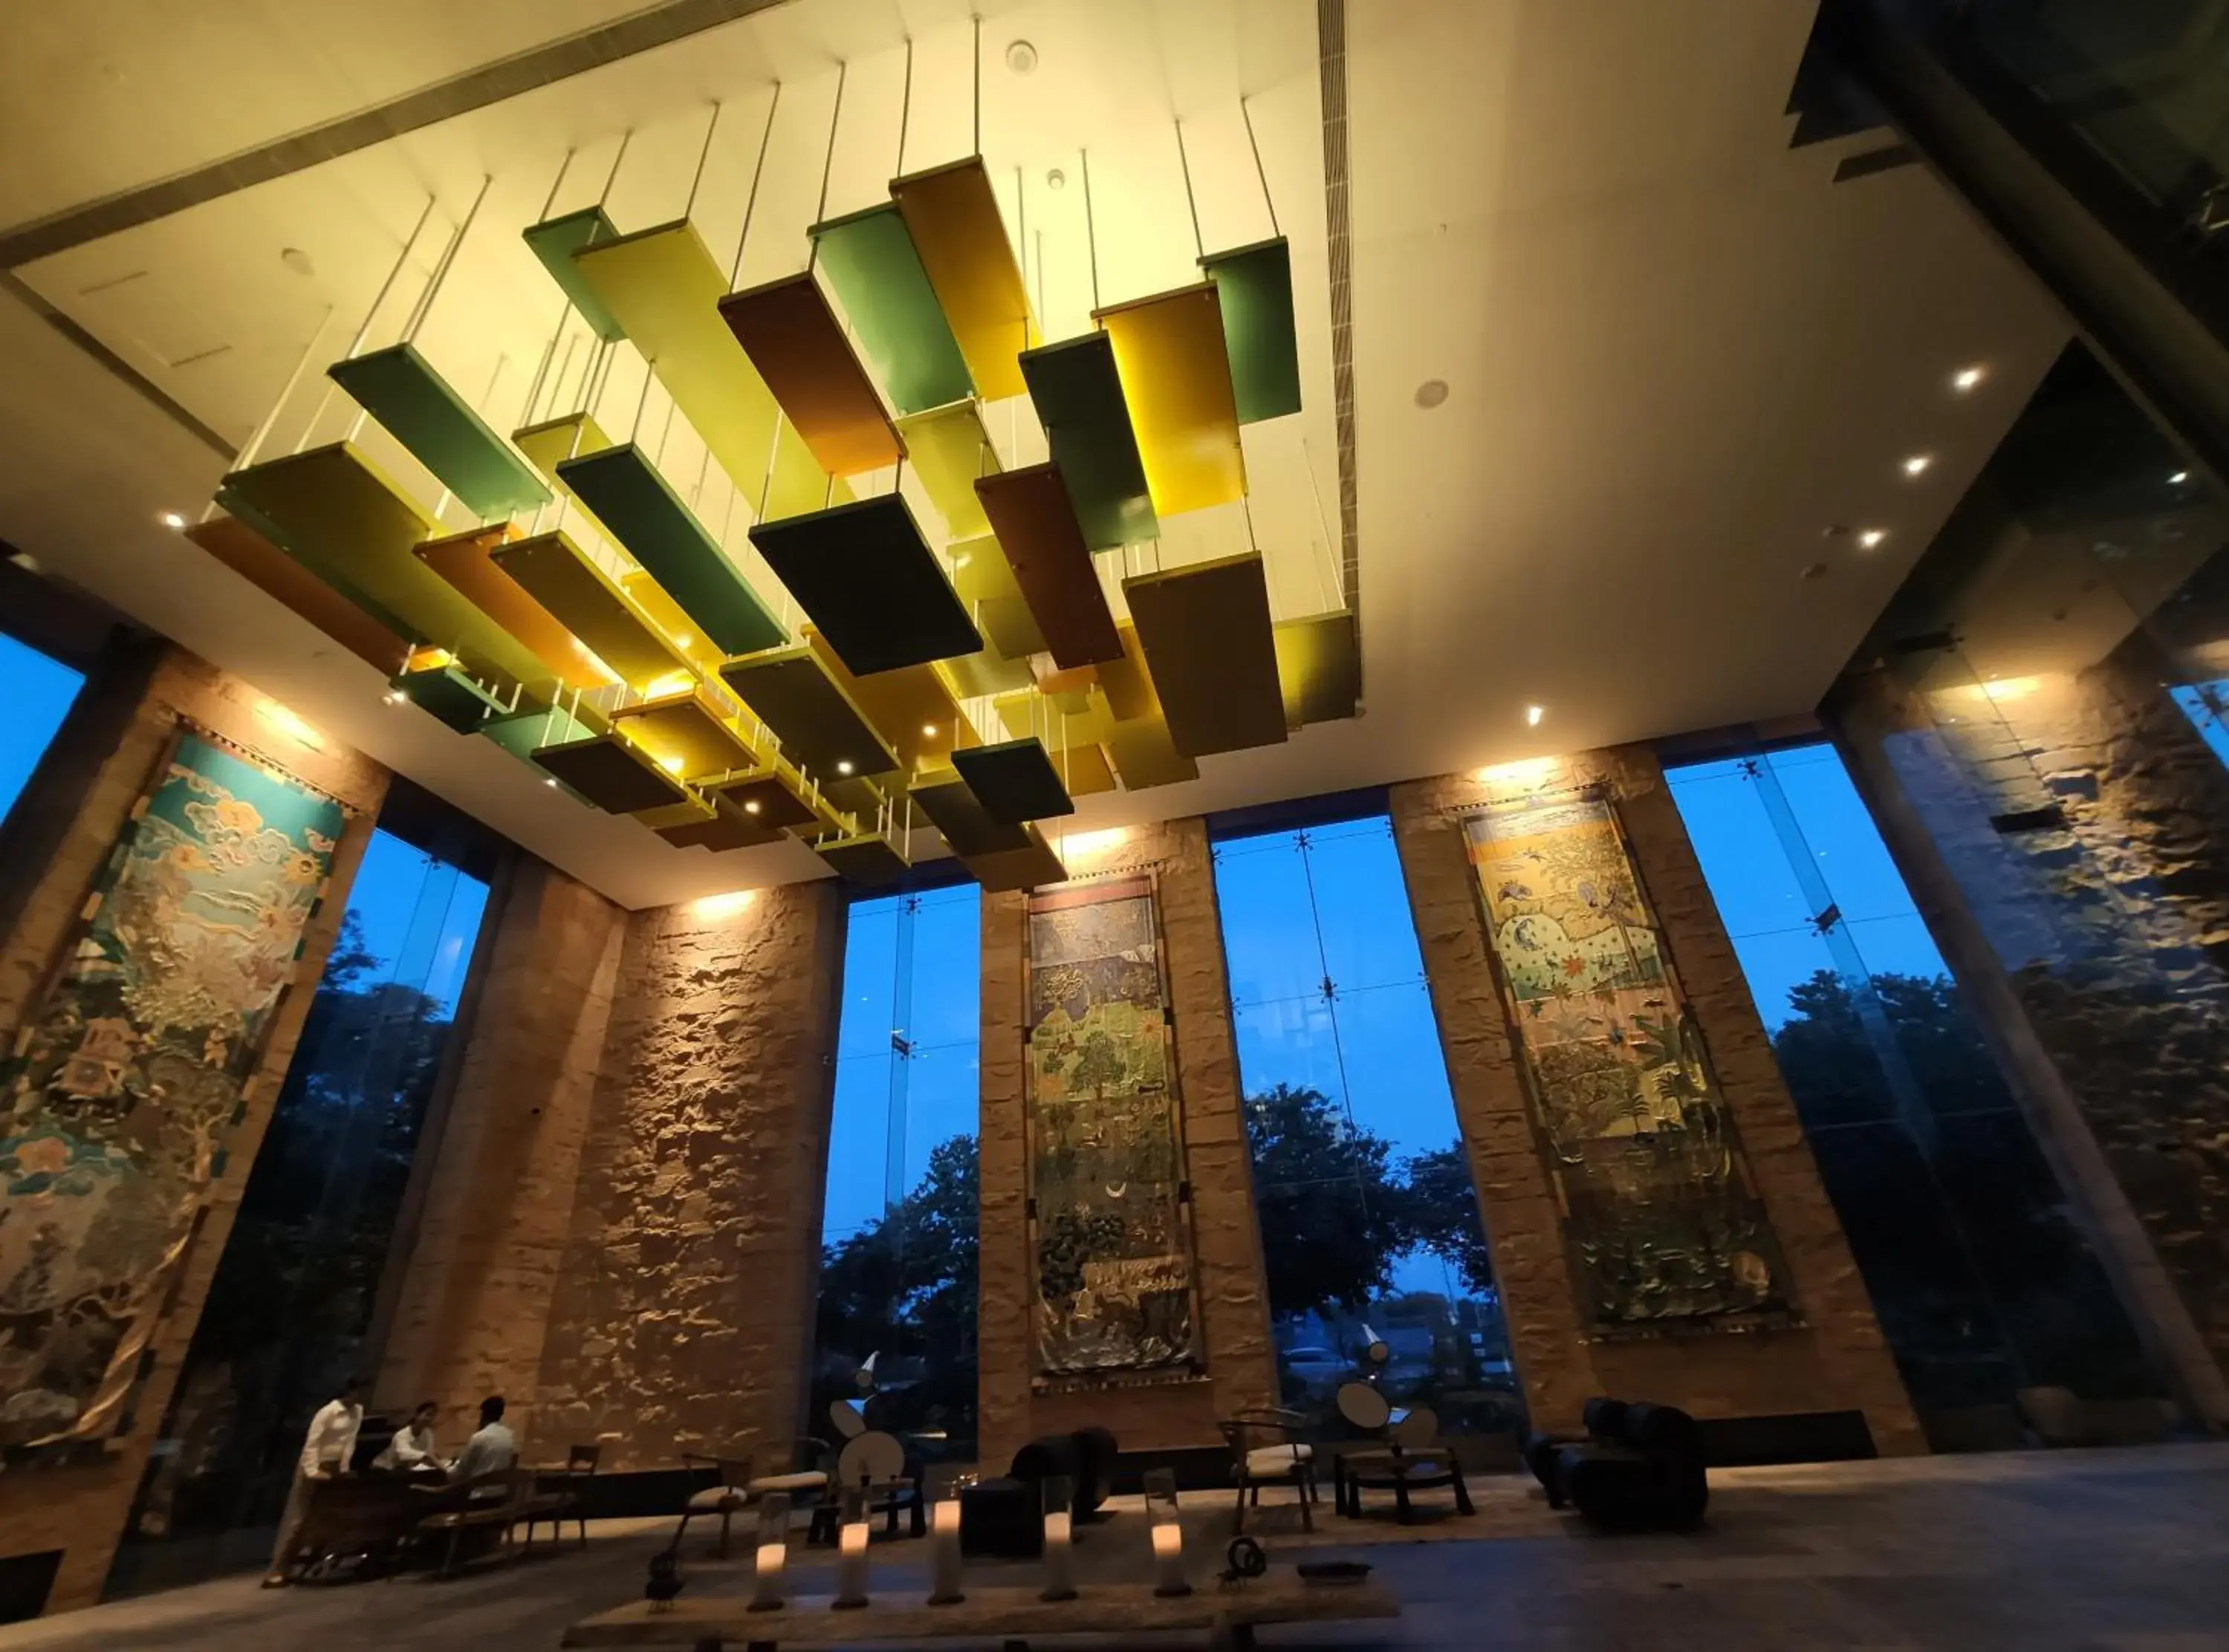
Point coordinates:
pixel 723 1497
pixel 1269 1448
pixel 568 1485
pixel 496 1500
pixel 806 1480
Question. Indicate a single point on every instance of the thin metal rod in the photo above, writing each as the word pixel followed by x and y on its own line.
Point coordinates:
pixel 905 108
pixel 1090 231
pixel 750 202
pixel 502 360
pixel 1041 302
pixel 549 354
pixel 641 402
pixel 672 407
pixel 441 270
pixel 557 184
pixel 703 155
pixel 1022 231
pixel 316 419
pixel 828 164
pixel 978 21
pixel 613 177
pixel 401 259
pixel 773 452
pixel 286 394
pixel 1184 161
pixel 1247 115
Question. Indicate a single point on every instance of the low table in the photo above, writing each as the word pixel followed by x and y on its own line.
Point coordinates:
pixel 1004 1611
pixel 1417 1469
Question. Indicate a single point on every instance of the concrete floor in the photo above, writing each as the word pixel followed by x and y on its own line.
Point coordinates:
pixel 2123 1550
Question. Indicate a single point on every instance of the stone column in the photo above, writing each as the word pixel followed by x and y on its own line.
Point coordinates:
pixel 79 802
pixel 1241 1364
pixel 683 1312
pixel 1837 1359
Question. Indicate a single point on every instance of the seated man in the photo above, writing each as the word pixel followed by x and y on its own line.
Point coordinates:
pixel 493 1448
pixel 411 1448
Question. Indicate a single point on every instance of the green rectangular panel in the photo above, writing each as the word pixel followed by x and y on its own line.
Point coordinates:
pixel 1255 286
pixel 611 774
pixel 871 262
pixel 1015 781
pixel 417 408
pixel 1078 397
pixel 866 859
pixel 520 732
pixel 554 241
pixel 450 696
pixel 628 494
pixel 820 727
pixel 871 584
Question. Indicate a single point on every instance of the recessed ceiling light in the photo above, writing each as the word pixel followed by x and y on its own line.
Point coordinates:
pixel 1872 537
pixel 393 696
pixel 172 521
pixel 671 765
pixel 1917 463
pixel 751 806
pixel 1967 377
pixel 842 768
pixel 297 261
pixel 929 729
pixel 683 639
pixel 551 781
pixel 2178 478
pixel 1056 179
pixel 1813 571
pixel 1021 56
pixel 1431 392
pixel 1533 714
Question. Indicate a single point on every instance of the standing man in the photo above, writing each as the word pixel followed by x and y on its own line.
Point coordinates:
pixel 326 1453
pixel 493 1448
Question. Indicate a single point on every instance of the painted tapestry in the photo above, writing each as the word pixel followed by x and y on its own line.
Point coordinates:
pixel 124 1082
pixel 1114 1254
pixel 1662 1218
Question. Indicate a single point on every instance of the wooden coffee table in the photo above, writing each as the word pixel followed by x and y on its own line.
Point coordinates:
pixel 1416 1469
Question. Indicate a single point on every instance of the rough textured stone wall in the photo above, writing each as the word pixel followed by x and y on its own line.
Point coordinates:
pixel 1838 1358
pixel 124 723
pixel 2065 844
pixel 682 1311
pixel 496 1211
pixel 1241 1367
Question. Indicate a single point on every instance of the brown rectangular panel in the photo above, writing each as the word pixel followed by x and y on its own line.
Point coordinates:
pixel 1036 528
pixel 262 564
pixel 1030 866
pixel 1205 628
pixel 794 340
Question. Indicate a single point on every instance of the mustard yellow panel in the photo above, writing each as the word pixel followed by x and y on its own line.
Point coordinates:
pixel 953 215
pixel 948 449
pixel 550 443
pixel 1176 378
pixel 688 732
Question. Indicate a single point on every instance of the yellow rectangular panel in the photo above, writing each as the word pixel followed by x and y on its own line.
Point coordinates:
pixel 984 581
pixel 1082 768
pixel 690 812
pixel 953 215
pixel 1319 668
pixel 588 603
pixel 990 672
pixel 664 289
pixel 912 708
pixel 726 827
pixel 1145 755
pixel 550 443
pixel 666 614
pixel 1029 867
pixel 1127 683
pixel 949 450
pixel 1028 713
pixel 865 858
pixel 466 561
pixel 1176 378
pixel 688 732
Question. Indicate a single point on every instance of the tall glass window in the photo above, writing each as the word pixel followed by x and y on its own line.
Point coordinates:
pixel 1982 1282
pixel 897 1259
pixel 39 691
pixel 292 1298
pixel 1367 1211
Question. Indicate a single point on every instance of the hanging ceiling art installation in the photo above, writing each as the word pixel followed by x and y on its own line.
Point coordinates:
pixel 133 1068
pixel 1662 1217
pixel 1113 1257
pixel 868 424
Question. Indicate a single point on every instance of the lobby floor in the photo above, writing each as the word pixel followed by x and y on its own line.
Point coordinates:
pixel 2122 1550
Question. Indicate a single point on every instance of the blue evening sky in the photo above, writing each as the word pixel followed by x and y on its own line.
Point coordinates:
pixel 418 915
pixel 39 693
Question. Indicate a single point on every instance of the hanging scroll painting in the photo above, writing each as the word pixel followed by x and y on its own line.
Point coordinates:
pixel 1661 1215
pixel 125 1079
pixel 1112 1253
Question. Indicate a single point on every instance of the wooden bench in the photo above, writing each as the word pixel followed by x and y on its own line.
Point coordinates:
pixel 470 1507
pixel 1000 1612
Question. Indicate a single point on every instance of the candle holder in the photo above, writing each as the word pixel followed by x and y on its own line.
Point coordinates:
pixel 851 1550
pixel 1168 1532
pixel 1059 1513
pixel 944 1550
pixel 768 1586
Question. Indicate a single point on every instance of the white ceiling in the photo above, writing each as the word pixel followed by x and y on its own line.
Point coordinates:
pixel 1676 353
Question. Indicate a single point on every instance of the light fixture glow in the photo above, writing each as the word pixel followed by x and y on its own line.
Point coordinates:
pixel 2178 478
pixel 172 521
pixel 671 765
pixel 551 781
pixel 288 724
pixel 1108 837
pixel 393 696
pixel 842 768
pixel 1872 537
pixel 724 906
pixel 929 729
pixel 1528 772
pixel 751 806
pixel 683 639
pixel 1533 714
pixel 1967 377
pixel 1917 463
pixel 2008 688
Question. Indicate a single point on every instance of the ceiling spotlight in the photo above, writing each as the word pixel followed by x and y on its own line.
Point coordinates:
pixel 929 729
pixel 751 806
pixel 1021 56
pixel 1056 179
pixel 2178 478
pixel 1917 463
pixel 842 768
pixel 683 639
pixel 1533 714
pixel 172 521
pixel 1431 392
pixel 551 781
pixel 1967 377
pixel 1872 537
pixel 393 696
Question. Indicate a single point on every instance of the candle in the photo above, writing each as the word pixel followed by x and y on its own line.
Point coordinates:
pixel 1168 1560
pixel 773 1552
pixel 944 1555
pixel 1059 1557
pixel 851 1565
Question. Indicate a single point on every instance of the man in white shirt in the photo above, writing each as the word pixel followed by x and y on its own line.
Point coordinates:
pixel 493 1448
pixel 410 1451
pixel 326 1451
